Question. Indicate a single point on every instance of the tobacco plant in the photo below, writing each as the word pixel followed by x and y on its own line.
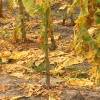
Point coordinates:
pixel 42 8
pixel 22 20
pixel 13 4
pixel 87 38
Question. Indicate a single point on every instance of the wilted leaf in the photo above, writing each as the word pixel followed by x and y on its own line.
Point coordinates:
pixel 70 61
pixel 12 98
pixel 19 55
pixel 94 73
pixel 31 89
pixel 80 82
pixel 63 7
pixel 91 55
pixel 5 54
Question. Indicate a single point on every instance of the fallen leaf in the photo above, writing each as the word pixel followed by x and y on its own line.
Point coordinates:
pixel 4 87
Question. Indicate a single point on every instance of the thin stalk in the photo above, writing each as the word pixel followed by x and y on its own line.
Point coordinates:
pixel 64 19
pixel 22 19
pixel 47 64
pixel 71 15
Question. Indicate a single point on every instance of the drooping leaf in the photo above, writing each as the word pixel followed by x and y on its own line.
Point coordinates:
pixel 28 4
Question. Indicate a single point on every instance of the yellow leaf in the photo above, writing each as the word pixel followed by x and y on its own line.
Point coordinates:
pixel 80 82
pixel 62 7
pixel 12 98
pixel 78 48
pixel 91 55
pixel 70 10
pixel 5 54
pixel 52 97
pixel 70 61
pixel 81 20
pixel 38 2
pixel 93 71
pixel 2 42
pixel 19 55
pixel 18 74
pixel 4 60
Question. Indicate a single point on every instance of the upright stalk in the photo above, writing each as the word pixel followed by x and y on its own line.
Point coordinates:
pixel 22 20
pixel 47 64
pixel 71 15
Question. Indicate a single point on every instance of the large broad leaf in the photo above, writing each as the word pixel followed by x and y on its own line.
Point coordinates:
pixel 33 6
pixel 28 4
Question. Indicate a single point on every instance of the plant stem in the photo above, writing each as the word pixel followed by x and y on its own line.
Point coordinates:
pixel 22 19
pixel 71 15
pixel 47 13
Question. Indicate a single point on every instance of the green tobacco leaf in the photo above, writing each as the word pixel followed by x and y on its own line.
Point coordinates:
pixel 43 47
pixel 95 45
pixel 98 40
pixel 87 39
pixel 98 20
pixel 84 34
pixel 33 6
pixel 99 70
pixel 97 1
pixel 28 4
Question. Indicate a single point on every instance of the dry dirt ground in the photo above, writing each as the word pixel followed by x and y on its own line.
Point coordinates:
pixel 69 92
